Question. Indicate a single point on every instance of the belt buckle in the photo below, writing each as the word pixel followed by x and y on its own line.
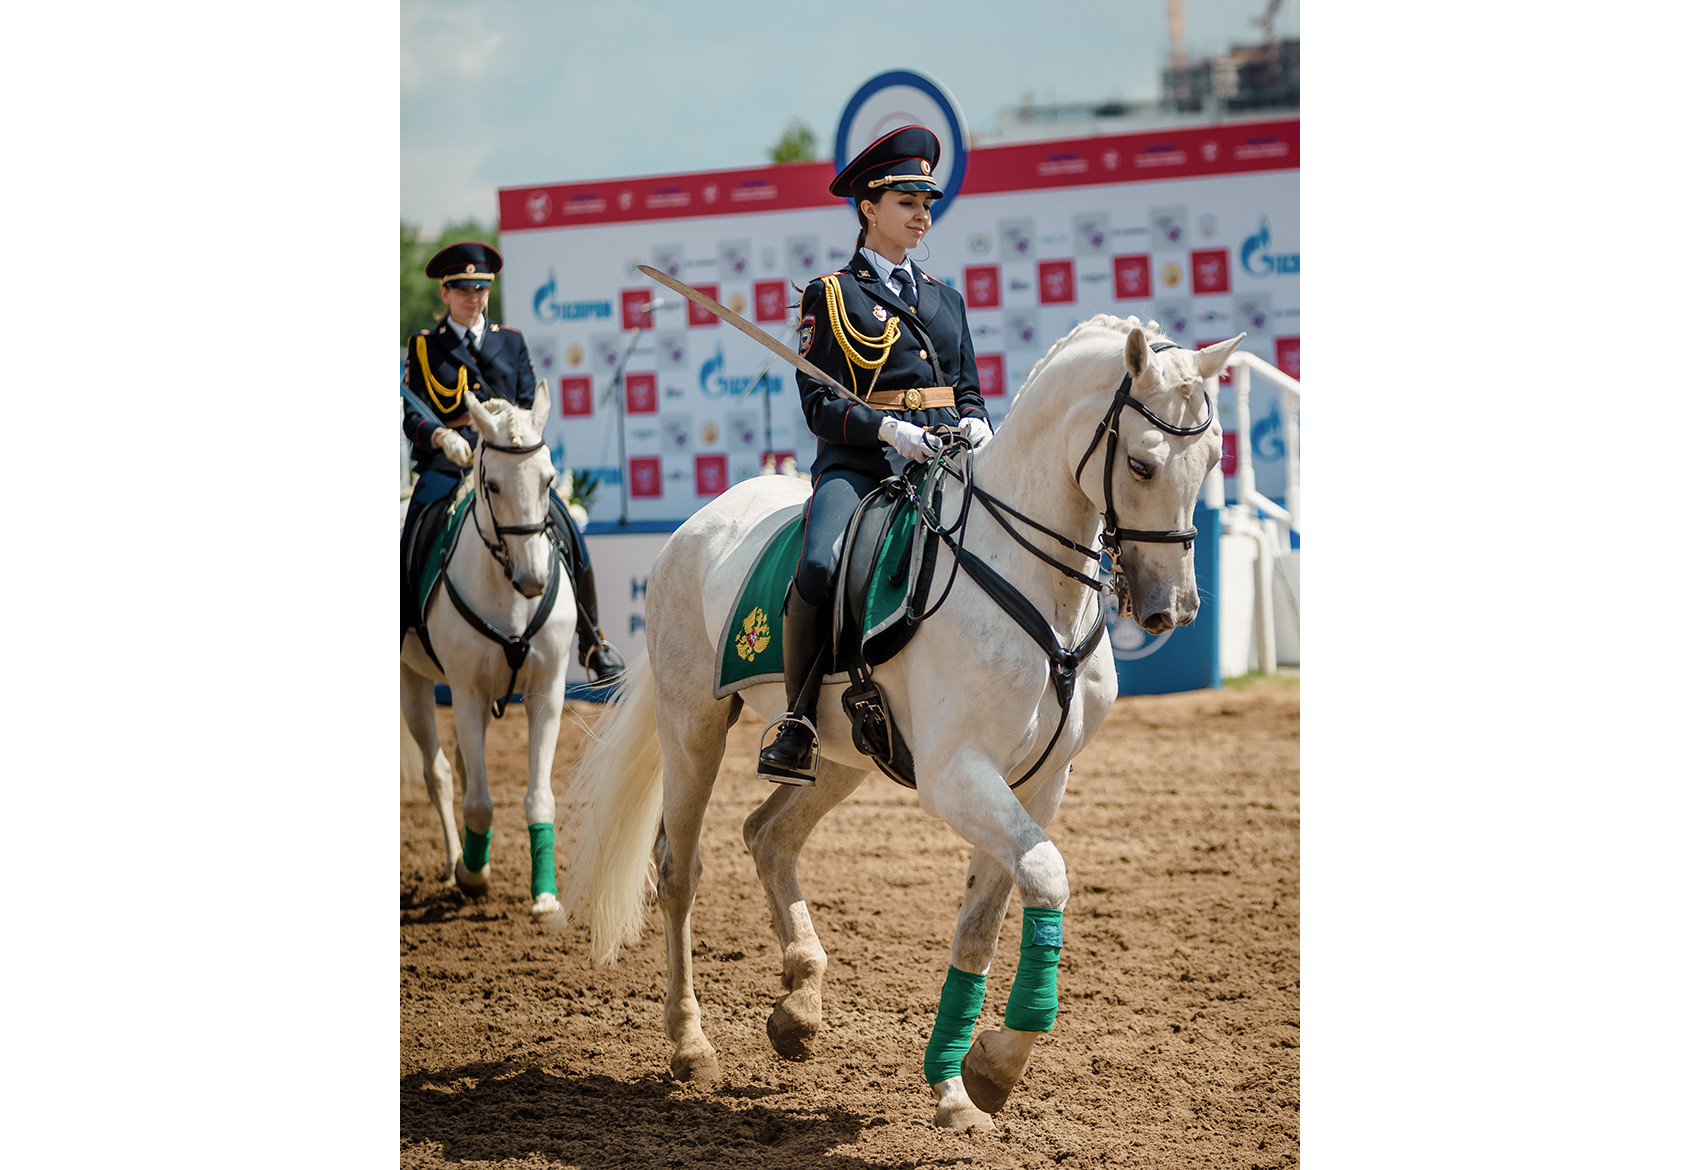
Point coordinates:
pixel 912 399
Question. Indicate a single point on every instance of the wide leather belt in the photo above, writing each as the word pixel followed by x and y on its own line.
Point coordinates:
pixel 918 398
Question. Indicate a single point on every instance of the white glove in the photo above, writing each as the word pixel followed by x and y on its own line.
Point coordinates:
pixel 977 430
pixel 453 446
pixel 912 442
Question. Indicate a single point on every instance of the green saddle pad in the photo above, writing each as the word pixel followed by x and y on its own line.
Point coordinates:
pixel 750 650
pixel 438 555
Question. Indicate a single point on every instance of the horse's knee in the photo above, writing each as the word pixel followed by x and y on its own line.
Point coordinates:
pixel 1041 877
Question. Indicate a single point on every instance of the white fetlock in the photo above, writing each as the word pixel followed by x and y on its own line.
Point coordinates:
pixel 545 908
pixel 956 1112
pixel 474 882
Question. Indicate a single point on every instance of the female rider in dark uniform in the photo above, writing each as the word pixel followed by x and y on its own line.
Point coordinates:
pixel 465 353
pixel 900 340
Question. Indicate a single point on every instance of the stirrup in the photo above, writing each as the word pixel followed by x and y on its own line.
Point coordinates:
pixel 800 777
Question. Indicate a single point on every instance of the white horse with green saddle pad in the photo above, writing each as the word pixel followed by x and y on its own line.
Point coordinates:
pixel 1111 436
pixel 499 621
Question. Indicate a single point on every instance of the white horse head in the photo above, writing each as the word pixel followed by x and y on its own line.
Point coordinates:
pixel 1149 465
pixel 514 474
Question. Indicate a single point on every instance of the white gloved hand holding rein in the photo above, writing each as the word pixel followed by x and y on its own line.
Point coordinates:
pixel 911 441
pixel 977 430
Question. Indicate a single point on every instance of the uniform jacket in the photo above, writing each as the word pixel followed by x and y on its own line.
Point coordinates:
pixel 502 369
pixel 849 432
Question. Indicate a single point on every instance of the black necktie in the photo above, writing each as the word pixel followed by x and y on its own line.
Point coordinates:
pixel 906 290
pixel 472 342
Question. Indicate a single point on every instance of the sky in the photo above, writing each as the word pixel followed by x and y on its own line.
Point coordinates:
pixel 511 93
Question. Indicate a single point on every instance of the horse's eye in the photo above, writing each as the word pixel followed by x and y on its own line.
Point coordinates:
pixel 1140 468
pixel 492 488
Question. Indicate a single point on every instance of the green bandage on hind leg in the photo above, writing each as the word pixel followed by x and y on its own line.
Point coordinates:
pixel 543 859
pixel 954 1026
pixel 475 855
pixel 1033 996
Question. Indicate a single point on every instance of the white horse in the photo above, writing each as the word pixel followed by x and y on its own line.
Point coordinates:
pixel 977 700
pixel 504 570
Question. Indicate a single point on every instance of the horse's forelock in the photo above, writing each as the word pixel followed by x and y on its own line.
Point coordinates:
pixel 515 421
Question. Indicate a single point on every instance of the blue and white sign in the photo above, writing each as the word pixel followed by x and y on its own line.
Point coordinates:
pixel 904 98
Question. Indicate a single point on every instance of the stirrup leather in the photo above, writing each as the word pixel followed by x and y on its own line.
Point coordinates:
pixel 783 775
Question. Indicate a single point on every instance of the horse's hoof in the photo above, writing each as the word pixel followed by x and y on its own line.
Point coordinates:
pixel 473 883
pixel 792 1038
pixel 957 1112
pixel 545 909
pixel 987 1079
pixel 695 1065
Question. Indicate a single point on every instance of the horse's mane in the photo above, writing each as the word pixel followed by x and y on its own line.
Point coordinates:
pixel 1123 325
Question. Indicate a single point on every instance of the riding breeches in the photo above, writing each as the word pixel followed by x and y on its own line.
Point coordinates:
pixel 837 493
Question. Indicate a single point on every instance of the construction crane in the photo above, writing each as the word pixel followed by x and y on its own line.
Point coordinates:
pixel 1267 22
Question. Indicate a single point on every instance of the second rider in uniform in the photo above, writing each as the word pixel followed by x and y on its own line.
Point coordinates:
pixel 900 340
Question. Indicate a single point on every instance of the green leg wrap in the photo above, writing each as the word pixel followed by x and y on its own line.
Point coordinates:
pixel 543 859
pixel 1033 996
pixel 953 1027
pixel 476 854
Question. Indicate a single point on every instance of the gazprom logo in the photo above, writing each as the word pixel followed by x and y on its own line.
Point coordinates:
pixel 713 384
pixel 1258 260
pixel 546 308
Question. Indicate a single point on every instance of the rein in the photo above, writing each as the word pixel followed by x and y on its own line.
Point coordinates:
pixel 1064 663
pixel 514 647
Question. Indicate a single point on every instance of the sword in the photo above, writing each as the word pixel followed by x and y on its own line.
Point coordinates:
pixel 750 331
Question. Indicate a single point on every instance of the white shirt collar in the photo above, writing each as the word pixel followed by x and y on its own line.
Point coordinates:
pixel 461 330
pixel 884 267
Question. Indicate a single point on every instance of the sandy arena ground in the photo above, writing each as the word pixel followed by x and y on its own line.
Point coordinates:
pixel 1177 1040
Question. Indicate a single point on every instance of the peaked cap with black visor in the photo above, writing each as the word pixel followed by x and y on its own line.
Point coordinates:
pixel 468 264
pixel 900 161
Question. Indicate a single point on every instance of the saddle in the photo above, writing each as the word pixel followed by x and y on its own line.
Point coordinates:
pixel 438 526
pixel 876 592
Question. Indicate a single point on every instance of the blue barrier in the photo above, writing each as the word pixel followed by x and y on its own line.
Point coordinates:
pixel 1187 658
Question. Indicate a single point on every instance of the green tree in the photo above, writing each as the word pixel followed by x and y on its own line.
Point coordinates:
pixel 797 144
pixel 421 306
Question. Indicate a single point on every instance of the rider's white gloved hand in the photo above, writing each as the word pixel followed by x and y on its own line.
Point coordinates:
pixel 453 446
pixel 912 442
pixel 977 430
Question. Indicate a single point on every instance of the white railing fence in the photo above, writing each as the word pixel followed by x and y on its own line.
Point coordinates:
pixel 1270 524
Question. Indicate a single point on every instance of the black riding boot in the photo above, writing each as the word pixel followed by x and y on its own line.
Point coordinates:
pixel 790 759
pixel 595 652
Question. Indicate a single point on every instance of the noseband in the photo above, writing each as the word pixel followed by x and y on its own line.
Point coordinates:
pixel 498 547
pixel 1115 534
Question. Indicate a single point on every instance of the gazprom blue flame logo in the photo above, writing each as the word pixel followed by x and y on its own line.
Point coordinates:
pixel 1267 436
pixel 713 384
pixel 546 308
pixel 1257 259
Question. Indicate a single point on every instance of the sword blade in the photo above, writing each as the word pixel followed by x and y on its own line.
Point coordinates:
pixel 749 330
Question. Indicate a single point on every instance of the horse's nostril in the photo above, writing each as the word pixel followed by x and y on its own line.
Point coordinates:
pixel 1157 623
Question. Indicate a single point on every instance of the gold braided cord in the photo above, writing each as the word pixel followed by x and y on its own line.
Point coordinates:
pixel 839 319
pixel 444 399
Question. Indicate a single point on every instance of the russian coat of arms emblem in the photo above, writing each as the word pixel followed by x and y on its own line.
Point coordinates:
pixel 753 635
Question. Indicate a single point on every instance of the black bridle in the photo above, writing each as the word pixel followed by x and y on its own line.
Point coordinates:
pixel 514 647
pixel 499 547
pixel 1109 431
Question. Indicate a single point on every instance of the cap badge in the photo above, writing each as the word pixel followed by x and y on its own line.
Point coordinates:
pixel 472 268
pixel 925 169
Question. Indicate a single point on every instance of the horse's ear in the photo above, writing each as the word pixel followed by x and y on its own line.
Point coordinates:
pixel 1136 354
pixel 540 405
pixel 481 419
pixel 1213 358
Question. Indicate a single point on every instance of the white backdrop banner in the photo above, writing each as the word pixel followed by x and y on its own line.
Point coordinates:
pixel 666 407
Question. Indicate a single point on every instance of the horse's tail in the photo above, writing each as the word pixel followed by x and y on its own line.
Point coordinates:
pixel 613 807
